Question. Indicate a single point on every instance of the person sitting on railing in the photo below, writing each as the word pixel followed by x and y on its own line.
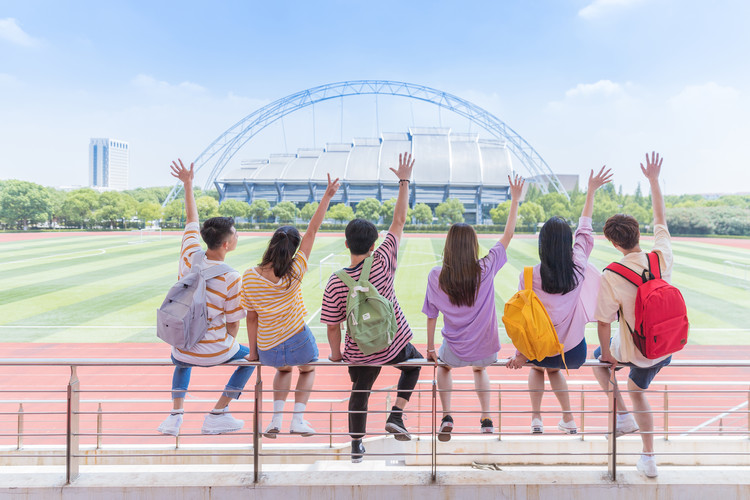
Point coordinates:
pixel 223 300
pixel 276 329
pixel 558 281
pixel 463 289
pixel 361 236
pixel 617 295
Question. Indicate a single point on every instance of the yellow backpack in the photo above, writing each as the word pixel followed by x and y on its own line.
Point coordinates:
pixel 528 324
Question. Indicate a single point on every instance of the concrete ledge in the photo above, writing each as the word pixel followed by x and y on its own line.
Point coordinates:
pixel 372 480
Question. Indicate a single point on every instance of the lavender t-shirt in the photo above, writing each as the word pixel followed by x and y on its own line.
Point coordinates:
pixel 471 332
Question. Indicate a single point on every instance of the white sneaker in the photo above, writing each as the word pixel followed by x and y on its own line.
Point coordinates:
pixel 171 425
pixel 537 427
pixel 647 465
pixel 567 427
pixel 625 425
pixel 301 427
pixel 219 423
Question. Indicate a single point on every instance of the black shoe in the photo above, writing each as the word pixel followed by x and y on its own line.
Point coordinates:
pixel 395 425
pixel 446 426
pixel 487 427
pixel 358 451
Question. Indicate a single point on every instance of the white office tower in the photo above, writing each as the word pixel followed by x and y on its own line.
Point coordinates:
pixel 109 163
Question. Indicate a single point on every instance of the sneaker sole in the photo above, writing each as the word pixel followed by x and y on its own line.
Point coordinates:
pixel 303 434
pixel 488 430
pixel 537 430
pixel 168 432
pixel 398 432
pixel 220 431
pixel 271 433
pixel 357 460
pixel 566 430
pixel 445 433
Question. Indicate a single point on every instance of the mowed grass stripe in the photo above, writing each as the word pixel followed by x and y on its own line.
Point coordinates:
pixel 17 250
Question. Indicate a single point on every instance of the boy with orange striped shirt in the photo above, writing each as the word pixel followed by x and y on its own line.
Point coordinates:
pixel 225 312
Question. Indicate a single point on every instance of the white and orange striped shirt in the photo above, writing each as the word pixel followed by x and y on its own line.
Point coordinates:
pixel 281 311
pixel 223 300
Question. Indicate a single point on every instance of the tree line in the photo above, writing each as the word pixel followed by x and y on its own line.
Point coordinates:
pixel 26 204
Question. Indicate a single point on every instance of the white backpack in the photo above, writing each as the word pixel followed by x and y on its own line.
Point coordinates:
pixel 182 320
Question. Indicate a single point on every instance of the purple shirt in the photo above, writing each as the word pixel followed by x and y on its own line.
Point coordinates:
pixel 471 332
pixel 567 311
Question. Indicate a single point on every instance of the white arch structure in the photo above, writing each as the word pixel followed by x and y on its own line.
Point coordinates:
pixel 218 154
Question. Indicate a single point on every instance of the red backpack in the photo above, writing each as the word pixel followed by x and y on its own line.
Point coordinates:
pixel 661 323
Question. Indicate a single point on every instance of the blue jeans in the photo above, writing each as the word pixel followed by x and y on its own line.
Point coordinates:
pixel 574 358
pixel 641 377
pixel 233 389
pixel 297 350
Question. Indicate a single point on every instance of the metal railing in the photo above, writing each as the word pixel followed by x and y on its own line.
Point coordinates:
pixel 673 394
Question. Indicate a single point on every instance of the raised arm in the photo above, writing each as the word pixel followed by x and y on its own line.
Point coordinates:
pixel 405 165
pixel 516 188
pixel 186 176
pixel 651 171
pixel 312 229
pixel 595 182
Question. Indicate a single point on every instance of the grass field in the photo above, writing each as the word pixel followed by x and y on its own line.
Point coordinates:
pixel 106 288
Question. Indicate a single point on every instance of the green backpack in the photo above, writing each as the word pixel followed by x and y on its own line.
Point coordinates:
pixel 370 318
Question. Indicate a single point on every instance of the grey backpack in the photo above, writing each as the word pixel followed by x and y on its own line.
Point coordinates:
pixel 182 320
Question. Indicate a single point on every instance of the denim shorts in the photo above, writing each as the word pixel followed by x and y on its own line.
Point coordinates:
pixel 299 349
pixel 448 357
pixel 574 358
pixel 641 377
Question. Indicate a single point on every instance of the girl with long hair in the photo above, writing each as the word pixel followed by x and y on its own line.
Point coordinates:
pixel 558 281
pixel 463 290
pixel 276 329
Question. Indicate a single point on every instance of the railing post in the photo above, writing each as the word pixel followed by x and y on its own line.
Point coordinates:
pixel 330 426
pixel 612 427
pixel 748 412
pixel 257 423
pixel 20 426
pixel 99 426
pixel 583 412
pixel 499 413
pixel 666 412
pixel 434 425
pixel 72 438
pixel 419 410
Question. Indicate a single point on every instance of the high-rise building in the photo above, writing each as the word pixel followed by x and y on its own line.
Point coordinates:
pixel 109 163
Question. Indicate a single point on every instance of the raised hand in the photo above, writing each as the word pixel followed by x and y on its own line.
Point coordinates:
pixel 516 362
pixel 182 173
pixel 333 186
pixel 516 187
pixel 653 166
pixel 405 164
pixel 600 179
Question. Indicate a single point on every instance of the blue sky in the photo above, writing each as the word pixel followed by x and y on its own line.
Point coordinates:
pixel 586 82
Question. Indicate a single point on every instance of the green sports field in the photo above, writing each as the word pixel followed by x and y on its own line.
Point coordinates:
pixel 106 288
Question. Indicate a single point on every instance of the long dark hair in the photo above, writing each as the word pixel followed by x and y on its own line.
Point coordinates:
pixel 559 273
pixel 461 272
pixel 280 253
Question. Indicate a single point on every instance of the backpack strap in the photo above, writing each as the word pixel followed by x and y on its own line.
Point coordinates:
pixel 653 265
pixel 348 281
pixel 625 272
pixel 528 277
pixel 214 271
pixel 366 267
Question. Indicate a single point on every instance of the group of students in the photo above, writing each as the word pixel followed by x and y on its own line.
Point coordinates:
pixel 461 289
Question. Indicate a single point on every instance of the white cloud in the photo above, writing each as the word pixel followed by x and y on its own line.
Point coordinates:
pixel 598 8
pixel 151 84
pixel 12 32
pixel 604 88
pixel 704 98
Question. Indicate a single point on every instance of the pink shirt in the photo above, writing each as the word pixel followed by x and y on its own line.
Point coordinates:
pixel 568 312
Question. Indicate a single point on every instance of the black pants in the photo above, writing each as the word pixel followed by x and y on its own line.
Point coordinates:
pixel 363 378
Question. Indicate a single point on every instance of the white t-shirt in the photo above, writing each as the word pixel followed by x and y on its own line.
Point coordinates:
pixel 615 292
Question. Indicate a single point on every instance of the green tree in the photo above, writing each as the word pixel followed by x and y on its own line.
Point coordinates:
pixel 340 212
pixel 24 202
pixel 603 209
pixel 386 210
pixel 114 206
pixel 56 198
pixel 174 211
pixel 422 213
pixel 307 212
pixel 500 213
pixel 555 204
pixel 149 211
pixel 260 210
pixel 368 209
pixel 234 208
pixel 450 211
pixel 207 207
pixel 79 205
pixel 530 214
pixel 642 215
pixel 285 211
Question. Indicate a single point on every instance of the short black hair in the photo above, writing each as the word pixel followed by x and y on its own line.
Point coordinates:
pixel 216 231
pixel 360 234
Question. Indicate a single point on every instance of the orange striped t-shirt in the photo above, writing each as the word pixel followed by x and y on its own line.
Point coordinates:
pixel 223 301
pixel 281 311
